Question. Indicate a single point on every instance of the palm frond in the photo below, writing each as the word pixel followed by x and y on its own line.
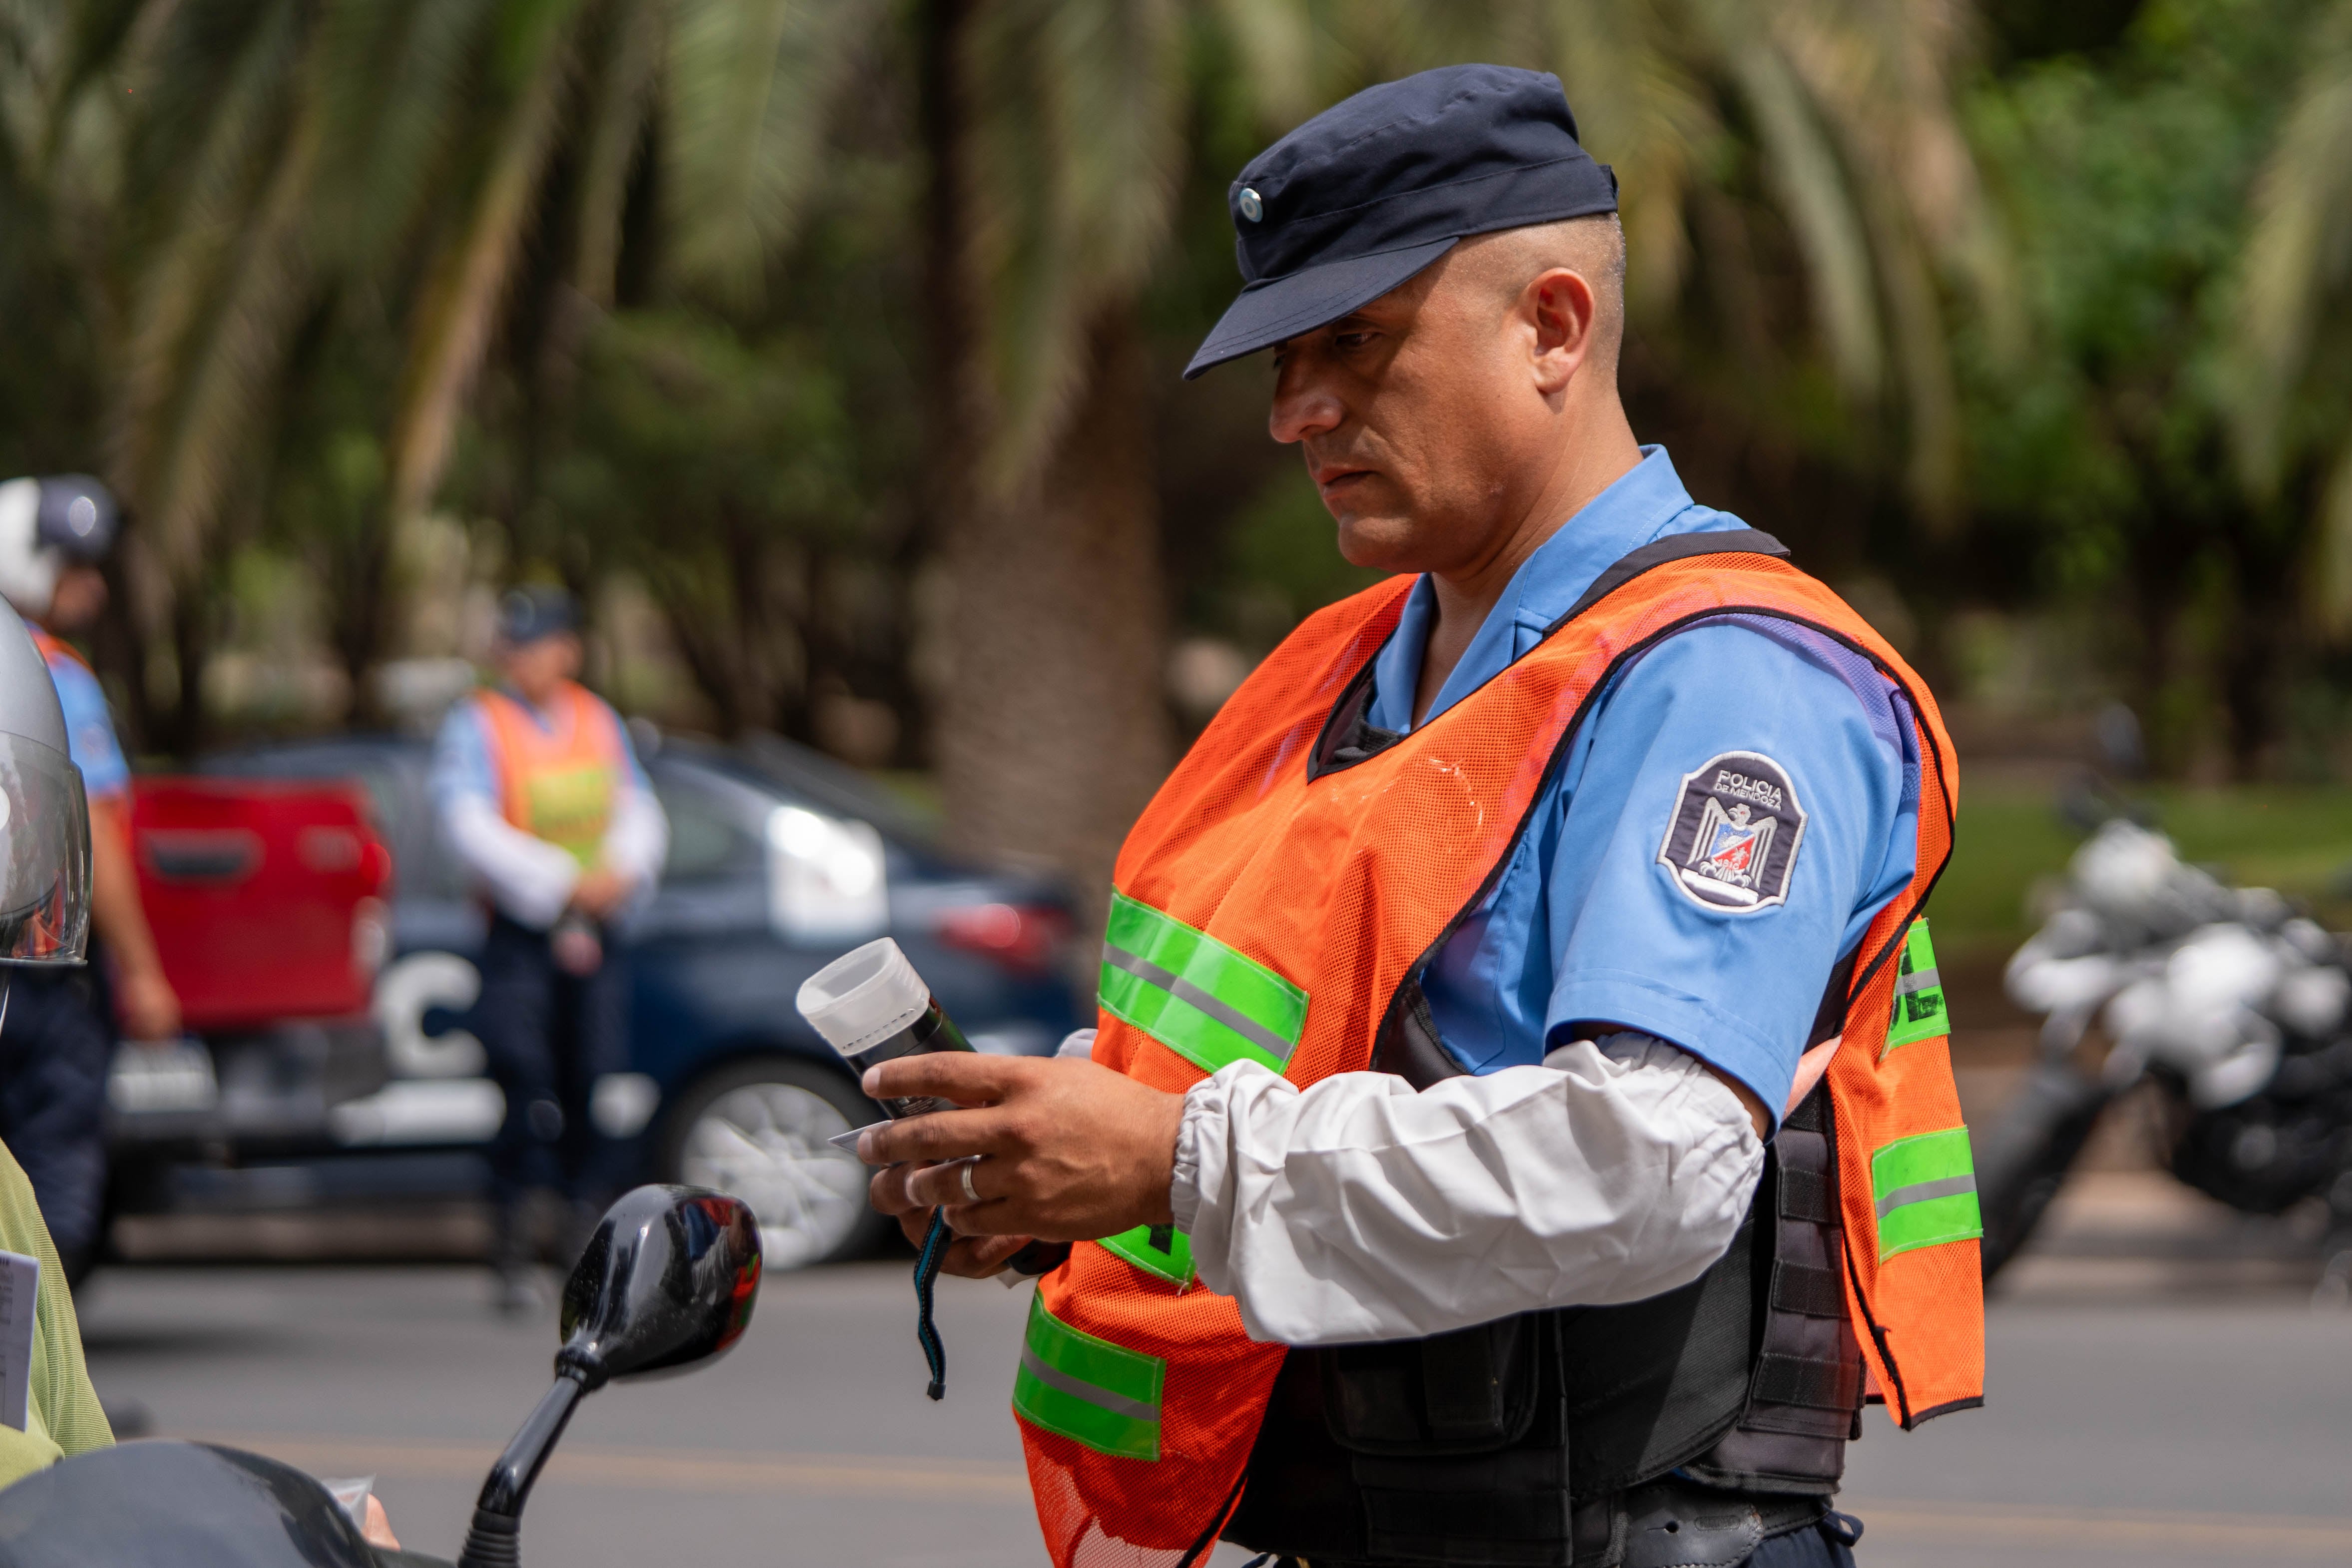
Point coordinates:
pixel 1078 177
pixel 750 86
pixel 1804 170
pixel 620 98
pixel 451 327
pixel 1641 109
pixel 2298 261
pixel 1274 43
pixel 195 205
pixel 398 79
pixel 226 385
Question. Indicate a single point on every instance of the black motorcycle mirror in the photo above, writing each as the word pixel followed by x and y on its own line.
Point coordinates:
pixel 666 1281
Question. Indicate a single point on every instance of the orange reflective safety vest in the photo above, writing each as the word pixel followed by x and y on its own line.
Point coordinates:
pixel 1280 895
pixel 53 648
pixel 556 781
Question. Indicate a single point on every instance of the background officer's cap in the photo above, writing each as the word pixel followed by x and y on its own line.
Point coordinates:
pixel 76 517
pixel 527 615
pixel 1372 189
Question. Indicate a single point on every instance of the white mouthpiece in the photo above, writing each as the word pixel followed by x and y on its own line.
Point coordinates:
pixel 863 997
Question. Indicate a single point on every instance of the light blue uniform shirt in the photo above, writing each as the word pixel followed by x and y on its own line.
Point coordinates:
pixel 89 727
pixel 1585 926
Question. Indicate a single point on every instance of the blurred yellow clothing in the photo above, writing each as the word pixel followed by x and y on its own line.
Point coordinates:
pixel 62 1415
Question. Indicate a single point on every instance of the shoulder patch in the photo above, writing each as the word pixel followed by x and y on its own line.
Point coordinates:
pixel 1732 842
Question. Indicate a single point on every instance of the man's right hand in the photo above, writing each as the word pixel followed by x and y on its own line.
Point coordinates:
pixel 148 1006
pixel 600 893
pixel 970 1257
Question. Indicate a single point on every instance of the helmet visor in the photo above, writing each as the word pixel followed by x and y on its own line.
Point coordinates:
pixel 44 854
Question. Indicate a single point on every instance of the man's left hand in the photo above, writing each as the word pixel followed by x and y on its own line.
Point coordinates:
pixel 600 893
pixel 1070 1152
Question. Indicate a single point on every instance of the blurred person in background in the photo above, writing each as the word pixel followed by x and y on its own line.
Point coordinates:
pixel 60 1034
pixel 540 793
pixel 45 891
pixel 45 909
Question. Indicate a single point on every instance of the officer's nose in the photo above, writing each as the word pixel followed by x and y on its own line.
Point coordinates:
pixel 1303 406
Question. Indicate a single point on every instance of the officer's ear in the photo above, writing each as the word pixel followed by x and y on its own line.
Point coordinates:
pixel 1563 309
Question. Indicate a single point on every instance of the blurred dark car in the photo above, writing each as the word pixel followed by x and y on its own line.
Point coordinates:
pixel 779 861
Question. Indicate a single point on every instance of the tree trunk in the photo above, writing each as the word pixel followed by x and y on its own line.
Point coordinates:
pixel 2160 565
pixel 183 732
pixel 1055 732
pixel 359 591
pixel 2257 644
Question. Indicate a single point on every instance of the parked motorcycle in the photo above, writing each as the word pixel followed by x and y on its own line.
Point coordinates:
pixel 666 1282
pixel 2233 1004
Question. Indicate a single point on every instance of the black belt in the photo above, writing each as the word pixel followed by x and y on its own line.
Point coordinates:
pixel 1668 1523
pixel 1684 1525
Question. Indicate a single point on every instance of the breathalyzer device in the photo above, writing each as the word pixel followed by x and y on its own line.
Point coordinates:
pixel 872 1007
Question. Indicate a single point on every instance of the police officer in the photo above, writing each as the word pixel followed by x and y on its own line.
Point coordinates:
pixel 1520 1128
pixel 55 1055
pixel 45 889
pixel 539 791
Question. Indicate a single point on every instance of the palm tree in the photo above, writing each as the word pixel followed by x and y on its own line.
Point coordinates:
pixel 2293 299
pixel 261 164
pixel 1054 132
pixel 227 170
pixel 1056 138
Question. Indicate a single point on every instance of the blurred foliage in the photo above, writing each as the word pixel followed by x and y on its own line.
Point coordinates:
pixel 831 324
pixel 2285 366
pixel 2012 841
pixel 718 470
pixel 2124 178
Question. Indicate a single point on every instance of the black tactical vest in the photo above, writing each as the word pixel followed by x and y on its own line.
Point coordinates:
pixel 1485 1445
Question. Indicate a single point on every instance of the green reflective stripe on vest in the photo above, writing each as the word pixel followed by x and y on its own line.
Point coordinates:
pixel 1925 1188
pixel 1194 994
pixel 570 807
pixel 1919 1010
pixel 1160 1249
pixel 1089 1390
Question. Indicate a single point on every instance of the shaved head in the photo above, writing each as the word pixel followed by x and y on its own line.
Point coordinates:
pixel 1592 248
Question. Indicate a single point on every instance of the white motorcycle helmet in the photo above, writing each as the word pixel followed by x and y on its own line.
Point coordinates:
pixel 46 524
pixel 44 815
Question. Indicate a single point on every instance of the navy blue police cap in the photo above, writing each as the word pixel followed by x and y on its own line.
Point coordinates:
pixel 1374 189
pixel 527 615
pixel 76 517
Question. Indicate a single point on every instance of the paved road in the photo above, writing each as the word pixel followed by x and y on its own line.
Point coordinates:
pixel 2130 1424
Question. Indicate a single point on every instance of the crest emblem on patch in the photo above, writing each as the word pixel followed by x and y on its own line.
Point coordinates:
pixel 1732 845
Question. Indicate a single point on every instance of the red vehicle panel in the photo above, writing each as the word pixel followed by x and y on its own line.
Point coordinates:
pixel 266 897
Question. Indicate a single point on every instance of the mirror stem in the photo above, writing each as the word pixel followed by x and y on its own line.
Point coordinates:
pixel 493 1540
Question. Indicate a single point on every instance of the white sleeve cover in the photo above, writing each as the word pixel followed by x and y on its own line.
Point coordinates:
pixel 528 877
pixel 637 838
pixel 1360 1209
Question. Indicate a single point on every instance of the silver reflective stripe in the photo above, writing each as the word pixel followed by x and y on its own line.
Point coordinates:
pixel 1917 980
pixel 1184 991
pixel 1077 1388
pixel 1926 1192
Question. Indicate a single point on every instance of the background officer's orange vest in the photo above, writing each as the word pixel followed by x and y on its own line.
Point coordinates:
pixel 556 783
pixel 1271 911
